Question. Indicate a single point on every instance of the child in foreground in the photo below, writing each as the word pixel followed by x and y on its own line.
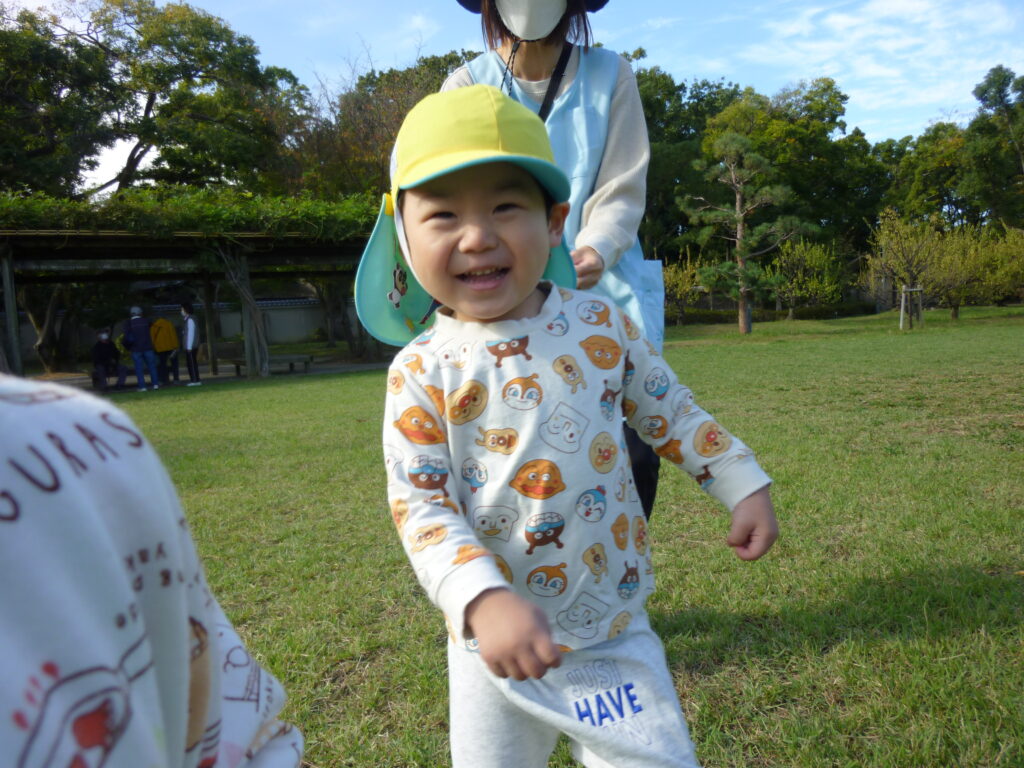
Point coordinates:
pixel 508 479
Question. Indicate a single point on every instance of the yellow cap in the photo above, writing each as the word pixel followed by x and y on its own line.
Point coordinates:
pixel 443 133
pixel 468 126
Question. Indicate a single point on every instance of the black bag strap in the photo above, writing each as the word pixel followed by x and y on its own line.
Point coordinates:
pixel 555 82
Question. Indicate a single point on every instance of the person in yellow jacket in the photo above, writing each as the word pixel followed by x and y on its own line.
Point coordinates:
pixel 165 344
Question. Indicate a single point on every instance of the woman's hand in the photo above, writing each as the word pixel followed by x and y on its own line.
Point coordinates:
pixel 589 266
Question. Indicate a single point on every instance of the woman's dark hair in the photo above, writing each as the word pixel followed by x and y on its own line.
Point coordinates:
pixel 187 306
pixel 573 27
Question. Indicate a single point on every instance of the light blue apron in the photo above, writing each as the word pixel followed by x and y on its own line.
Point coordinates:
pixel 578 128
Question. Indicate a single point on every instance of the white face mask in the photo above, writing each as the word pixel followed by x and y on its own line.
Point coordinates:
pixel 531 19
pixel 104 337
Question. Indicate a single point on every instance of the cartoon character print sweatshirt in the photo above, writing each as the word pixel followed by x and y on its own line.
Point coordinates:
pixel 115 652
pixel 507 465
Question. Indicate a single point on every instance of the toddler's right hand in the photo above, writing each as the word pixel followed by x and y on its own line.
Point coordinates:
pixel 513 635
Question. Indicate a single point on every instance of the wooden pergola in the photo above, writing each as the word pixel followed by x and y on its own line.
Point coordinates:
pixel 63 256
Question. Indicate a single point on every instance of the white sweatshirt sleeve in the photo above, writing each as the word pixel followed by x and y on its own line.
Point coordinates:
pixel 443 549
pixel 664 414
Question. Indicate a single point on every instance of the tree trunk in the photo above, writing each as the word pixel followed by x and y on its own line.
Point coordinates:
pixel 257 356
pixel 44 321
pixel 743 310
pixel 954 312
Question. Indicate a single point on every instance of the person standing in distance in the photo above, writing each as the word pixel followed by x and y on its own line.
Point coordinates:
pixel 190 337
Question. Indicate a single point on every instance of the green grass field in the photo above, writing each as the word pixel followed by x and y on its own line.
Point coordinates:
pixel 886 627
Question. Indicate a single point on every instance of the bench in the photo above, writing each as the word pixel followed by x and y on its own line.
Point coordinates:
pixel 291 360
pixel 233 353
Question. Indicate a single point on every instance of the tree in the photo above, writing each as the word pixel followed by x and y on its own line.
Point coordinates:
pixel 962 269
pixel 346 148
pixel 930 178
pixel 56 96
pixel 196 97
pixel 748 176
pixel 901 251
pixel 682 281
pixel 807 272
pixel 994 148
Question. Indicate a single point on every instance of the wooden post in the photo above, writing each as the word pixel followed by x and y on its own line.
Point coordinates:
pixel 208 321
pixel 903 302
pixel 11 311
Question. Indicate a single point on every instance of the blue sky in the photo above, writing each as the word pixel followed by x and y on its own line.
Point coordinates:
pixel 903 63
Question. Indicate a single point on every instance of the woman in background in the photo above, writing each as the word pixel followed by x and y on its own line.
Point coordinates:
pixel 540 53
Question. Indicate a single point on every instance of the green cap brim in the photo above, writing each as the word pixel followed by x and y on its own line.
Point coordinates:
pixel 390 302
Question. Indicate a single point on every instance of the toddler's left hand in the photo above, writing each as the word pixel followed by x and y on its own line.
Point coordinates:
pixel 754 528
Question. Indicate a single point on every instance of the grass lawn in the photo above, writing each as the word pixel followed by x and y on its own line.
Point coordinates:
pixel 886 627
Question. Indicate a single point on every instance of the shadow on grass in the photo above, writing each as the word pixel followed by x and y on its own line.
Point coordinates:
pixel 920 604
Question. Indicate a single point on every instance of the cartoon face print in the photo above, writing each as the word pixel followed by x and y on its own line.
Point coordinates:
pixel 399 513
pixel 655 426
pixel 620 530
pixel 596 560
pixel 401 285
pixel 468 552
pixel 656 383
pixel 419 426
pixel 583 616
pixel 498 440
pixel 671 451
pixel 608 401
pixel 442 500
pixel 602 351
pixel 705 478
pixel 567 367
pixel 592 504
pixel 502 564
pixel 711 440
pixel 466 403
pixel 619 624
pixel 603 453
pixel 427 536
pixel 425 338
pixel 538 479
pixel 436 395
pixel 632 332
pixel 428 473
pixel 630 581
pixel 474 473
pixel 620 485
pixel 594 313
pixel 454 354
pixel 682 401
pixel 559 326
pixel 523 394
pixel 628 371
pixel 396 381
pixel 494 522
pixel 544 528
pixel 564 429
pixel 414 363
pixel 640 535
pixel 547 580
pixel 628 407
pixel 508 348
pixel 392 459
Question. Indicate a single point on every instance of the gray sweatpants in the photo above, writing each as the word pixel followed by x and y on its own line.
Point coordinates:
pixel 615 701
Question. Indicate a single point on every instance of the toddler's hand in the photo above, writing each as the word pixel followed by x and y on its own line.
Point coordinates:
pixel 754 528
pixel 513 634
pixel 589 266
